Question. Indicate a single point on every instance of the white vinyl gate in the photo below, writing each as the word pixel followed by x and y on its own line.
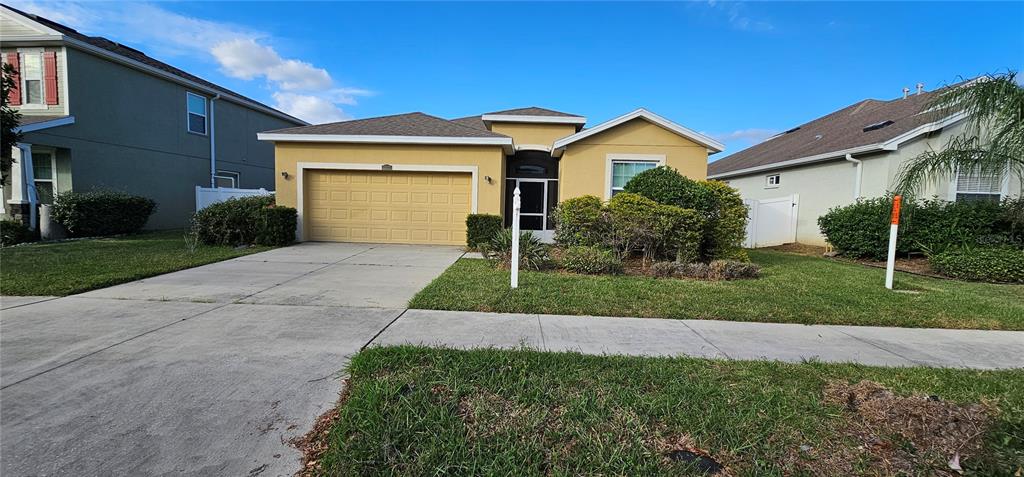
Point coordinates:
pixel 771 221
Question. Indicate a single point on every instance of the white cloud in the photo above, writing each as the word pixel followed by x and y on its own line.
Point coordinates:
pixel 748 136
pixel 298 87
pixel 737 16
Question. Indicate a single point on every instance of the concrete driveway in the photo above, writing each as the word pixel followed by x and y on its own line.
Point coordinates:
pixel 207 371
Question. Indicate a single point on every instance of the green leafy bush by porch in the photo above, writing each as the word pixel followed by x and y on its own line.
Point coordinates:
pixel 102 213
pixel 656 230
pixel 592 260
pixel 246 221
pixel 861 230
pixel 723 214
pixel 533 254
pixel 481 228
pixel 581 221
pixel 13 232
pixel 992 264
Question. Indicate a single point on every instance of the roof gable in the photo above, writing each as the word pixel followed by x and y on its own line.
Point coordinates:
pixel 532 111
pixel 712 145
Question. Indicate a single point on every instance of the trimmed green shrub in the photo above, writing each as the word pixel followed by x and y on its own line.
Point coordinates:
pixel 725 227
pixel 481 228
pixel 666 185
pixel 13 232
pixel 720 206
pixel 591 260
pixel 656 230
pixel 533 254
pixel 245 221
pixel 992 264
pixel 99 213
pixel 277 226
pixel 581 221
pixel 861 230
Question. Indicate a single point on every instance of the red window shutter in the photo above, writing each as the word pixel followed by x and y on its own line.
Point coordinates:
pixel 14 95
pixel 50 76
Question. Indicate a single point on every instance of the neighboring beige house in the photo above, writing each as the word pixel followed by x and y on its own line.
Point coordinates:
pixel 413 178
pixel 793 178
pixel 97 114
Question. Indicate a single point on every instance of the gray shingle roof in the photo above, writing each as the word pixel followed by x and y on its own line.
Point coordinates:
pixel 409 124
pixel 472 121
pixel 838 131
pixel 132 53
pixel 533 111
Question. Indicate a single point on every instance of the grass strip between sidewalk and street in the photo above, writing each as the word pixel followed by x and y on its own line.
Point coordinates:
pixel 416 411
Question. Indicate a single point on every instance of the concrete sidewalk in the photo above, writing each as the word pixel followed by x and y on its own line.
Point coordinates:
pixel 880 346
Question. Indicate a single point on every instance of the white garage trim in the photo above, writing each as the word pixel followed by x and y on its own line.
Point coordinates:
pixel 301 168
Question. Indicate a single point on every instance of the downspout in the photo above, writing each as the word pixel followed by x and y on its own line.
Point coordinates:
pixel 213 143
pixel 856 181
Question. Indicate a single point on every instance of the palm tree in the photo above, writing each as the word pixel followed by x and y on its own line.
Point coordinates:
pixel 992 143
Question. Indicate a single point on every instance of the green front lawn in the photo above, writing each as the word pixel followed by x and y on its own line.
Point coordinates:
pixel 793 289
pixel 66 268
pixel 421 411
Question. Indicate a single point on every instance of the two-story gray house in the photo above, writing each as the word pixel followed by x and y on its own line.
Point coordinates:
pixel 100 115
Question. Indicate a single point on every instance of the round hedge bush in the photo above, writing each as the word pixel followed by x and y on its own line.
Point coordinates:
pixel 100 213
pixel 1001 265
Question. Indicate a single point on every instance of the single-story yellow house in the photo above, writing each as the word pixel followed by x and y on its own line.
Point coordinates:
pixel 413 178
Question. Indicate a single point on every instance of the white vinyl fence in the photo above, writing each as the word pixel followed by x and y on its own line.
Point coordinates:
pixel 206 196
pixel 771 221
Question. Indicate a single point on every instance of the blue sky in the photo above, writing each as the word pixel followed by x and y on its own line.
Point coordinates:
pixel 736 71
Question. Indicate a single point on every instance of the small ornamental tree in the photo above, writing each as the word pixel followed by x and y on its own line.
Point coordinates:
pixel 10 120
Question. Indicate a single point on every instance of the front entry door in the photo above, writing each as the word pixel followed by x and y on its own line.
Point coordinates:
pixel 534 212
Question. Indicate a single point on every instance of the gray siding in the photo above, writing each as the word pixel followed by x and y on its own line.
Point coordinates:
pixel 130 134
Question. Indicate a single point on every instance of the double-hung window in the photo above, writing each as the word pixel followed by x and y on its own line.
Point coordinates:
pixel 44 172
pixel 32 92
pixel 972 185
pixel 623 170
pixel 196 113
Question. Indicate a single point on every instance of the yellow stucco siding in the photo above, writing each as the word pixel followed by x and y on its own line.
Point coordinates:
pixel 533 133
pixel 489 161
pixel 584 165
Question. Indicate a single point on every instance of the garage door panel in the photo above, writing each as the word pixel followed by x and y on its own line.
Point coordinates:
pixel 388 206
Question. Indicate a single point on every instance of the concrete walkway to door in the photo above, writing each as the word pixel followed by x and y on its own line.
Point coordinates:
pixel 206 371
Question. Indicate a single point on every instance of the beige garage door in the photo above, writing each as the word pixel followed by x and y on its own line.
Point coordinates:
pixel 387 206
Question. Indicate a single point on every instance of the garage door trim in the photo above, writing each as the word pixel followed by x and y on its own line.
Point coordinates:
pixel 303 166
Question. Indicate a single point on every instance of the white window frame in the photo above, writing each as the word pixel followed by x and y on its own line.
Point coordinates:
pixel 611 159
pixel 23 87
pixel 769 184
pixel 954 188
pixel 205 115
pixel 235 177
pixel 53 170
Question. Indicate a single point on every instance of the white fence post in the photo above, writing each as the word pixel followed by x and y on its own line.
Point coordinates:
pixel 206 196
pixel 516 206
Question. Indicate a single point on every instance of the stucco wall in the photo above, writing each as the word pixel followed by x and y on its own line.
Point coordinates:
pixel 130 134
pixel 829 184
pixel 490 161
pixel 531 133
pixel 583 167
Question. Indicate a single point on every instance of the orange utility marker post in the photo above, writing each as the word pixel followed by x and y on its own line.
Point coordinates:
pixel 894 225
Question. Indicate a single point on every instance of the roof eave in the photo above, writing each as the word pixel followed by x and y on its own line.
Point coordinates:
pixel 526 118
pixel 52 123
pixel 504 142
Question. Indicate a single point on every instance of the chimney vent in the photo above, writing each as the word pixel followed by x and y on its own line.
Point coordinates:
pixel 906 92
pixel 920 88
